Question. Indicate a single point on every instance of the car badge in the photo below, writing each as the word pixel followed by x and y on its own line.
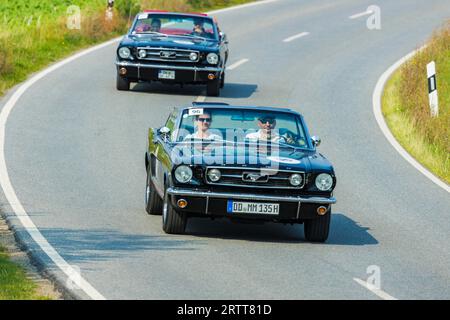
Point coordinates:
pixel 168 54
pixel 255 177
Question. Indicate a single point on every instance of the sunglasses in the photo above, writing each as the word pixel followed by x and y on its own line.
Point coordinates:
pixel 269 120
pixel 204 119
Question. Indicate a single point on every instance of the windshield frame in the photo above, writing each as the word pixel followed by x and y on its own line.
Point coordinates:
pixel 176 15
pixel 299 122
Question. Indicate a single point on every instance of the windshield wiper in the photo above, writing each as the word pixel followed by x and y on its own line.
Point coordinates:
pixel 188 35
pixel 153 33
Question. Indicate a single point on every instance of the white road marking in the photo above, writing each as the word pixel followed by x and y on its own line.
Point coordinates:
pixel 380 293
pixel 238 7
pixel 8 189
pixel 300 35
pixel 10 193
pixel 361 14
pixel 376 102
pixel 237 64
pixel 200 99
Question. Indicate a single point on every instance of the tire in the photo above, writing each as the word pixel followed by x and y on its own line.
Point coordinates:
pixel 173 222
pixel 153 202
pixel 213 88
pixel 222 80
pixel 122 84
pixel 317 230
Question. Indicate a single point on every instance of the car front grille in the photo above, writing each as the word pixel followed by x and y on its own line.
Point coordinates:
pixel 255 178
pixel 168 54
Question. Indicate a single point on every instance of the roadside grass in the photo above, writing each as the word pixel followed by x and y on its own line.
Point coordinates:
pixel 34 33
pixel 14 283
pixel 406 109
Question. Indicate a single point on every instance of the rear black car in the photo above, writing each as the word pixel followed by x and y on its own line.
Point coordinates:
pixel 174 48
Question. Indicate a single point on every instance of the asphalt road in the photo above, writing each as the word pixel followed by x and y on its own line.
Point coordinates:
pixel 75 155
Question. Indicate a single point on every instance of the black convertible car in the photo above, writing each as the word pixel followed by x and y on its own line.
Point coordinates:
pixel 174 48
pixel 244 163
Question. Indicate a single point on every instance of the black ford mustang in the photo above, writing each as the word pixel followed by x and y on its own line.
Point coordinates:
pixel 245 163
pixel 173 48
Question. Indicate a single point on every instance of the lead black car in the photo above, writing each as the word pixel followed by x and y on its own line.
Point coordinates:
pixel 173 48
pixel 244 163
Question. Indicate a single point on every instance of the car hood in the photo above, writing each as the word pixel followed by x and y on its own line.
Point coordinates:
pixel 232 156
pixel 146 40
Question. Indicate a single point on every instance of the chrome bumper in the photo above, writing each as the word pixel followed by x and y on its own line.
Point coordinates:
pixel 171 67
pixel 226 195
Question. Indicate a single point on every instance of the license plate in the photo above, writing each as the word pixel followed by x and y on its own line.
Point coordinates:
pixel 166 74
pixel 253 207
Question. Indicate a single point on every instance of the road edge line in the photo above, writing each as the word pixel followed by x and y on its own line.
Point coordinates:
pixel 376 104
pixel 380 293
pixel 15 204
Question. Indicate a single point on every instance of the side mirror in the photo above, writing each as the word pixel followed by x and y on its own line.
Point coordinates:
pixel 164 132
pixel 223 37
pixel 316 141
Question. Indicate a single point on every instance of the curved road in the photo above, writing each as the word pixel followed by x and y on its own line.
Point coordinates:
pixel 75 155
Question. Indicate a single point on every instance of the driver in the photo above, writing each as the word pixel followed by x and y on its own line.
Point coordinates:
pixel 156 25
pixel 199 30
pixel 203 123
pixel 266 132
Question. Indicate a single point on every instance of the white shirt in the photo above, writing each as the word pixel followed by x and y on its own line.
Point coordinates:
pixel 258 136
pixel 196 135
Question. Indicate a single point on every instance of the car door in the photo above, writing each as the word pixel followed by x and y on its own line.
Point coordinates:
pixel 163 163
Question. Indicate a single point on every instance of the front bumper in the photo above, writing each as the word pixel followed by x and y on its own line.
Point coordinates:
pixel 292 208
pixel 149 72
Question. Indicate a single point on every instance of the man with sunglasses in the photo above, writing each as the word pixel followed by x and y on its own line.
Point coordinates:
pixel 266 132
pixel 203 123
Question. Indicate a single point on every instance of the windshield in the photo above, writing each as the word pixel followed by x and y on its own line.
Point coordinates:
pixel 237 125
pixel 175 25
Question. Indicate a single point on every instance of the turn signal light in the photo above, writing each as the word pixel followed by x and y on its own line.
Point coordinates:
pixel 182 203
pixel 123 71
pixel 211 76
pixel 321 210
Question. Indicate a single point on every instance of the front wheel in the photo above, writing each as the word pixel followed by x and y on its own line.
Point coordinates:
pixel 174 222
pixel 153 203
pixel 213 88
pixel 122 84
pixel 222 80
pixel 316 230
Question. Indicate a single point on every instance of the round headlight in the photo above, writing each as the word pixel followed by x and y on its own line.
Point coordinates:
pixel 193 56
pixel 124 53
pixel 142 53
pixel 295 179
pixel 214 175
pixel 183 174
pixel 212 58
pixel 324 182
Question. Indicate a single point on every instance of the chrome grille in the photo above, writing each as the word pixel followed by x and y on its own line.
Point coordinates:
pixel 168 54
pixel 248 177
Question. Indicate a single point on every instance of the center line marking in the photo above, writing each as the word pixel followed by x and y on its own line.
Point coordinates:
pixel 200 99
pixel 361 14
pixel 303 34
pixel 380 293
pixel 237 64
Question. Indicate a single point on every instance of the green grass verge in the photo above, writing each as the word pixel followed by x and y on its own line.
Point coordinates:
pixel 14 284
pixel 406 110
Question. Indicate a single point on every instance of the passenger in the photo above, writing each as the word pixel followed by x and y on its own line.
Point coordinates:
pixel 142 27
pixel 203 123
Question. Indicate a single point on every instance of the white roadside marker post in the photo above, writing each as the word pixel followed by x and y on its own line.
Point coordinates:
pixel 432 89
